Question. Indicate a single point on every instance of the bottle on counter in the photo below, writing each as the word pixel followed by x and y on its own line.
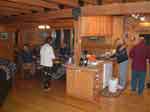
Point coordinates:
pixel 81 61
pixel 85 60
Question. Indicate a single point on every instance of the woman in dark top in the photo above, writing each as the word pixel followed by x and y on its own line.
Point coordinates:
pixel 122 59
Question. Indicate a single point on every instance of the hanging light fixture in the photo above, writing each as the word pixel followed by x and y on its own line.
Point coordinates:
pixel 47 26
pixel 138 17
pixel 44 27
pixel 41 27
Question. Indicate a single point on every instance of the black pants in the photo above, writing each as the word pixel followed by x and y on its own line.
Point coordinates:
pixel 46 76
pixel 5 86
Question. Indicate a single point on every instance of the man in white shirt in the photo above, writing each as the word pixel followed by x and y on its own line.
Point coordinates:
pixel 46 60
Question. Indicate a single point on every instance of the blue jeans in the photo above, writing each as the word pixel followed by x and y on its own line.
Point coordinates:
pixel 138 78
pixel 123 73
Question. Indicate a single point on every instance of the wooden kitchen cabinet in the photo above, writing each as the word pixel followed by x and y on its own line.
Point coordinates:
pixel 89 26
pixel 96 26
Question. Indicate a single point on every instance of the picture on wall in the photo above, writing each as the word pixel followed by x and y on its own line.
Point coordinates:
pixel 3 35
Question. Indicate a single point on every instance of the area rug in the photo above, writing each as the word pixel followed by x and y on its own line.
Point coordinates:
pixel 105 92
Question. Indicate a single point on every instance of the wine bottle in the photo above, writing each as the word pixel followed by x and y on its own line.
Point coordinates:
pixel 81 61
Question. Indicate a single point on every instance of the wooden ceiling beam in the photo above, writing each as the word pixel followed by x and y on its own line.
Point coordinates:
pixel 8 13
pixel 38 3
pixel 94 2
pixel 14 10
pixel 116 9
pixel 70 3
pixel 20 6
pixel 58 21
pixel 64 13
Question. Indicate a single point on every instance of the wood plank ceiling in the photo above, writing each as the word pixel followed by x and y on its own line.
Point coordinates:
pixel 37 10
pixel 40 10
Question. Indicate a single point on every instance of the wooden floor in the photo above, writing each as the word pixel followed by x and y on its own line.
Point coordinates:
pixel 27 96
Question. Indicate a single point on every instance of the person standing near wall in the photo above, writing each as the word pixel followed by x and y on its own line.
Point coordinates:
pixel 138 56
pixel 46 60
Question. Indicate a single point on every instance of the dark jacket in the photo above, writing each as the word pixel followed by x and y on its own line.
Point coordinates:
pixel 64 51
pixel 121 54
pixel 27 57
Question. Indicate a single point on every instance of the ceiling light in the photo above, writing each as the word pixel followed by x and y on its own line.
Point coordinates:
pixel 47 27
pixel 44 27
pixel 41 27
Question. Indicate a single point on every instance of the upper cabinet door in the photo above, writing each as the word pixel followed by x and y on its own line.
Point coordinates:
pixel 89 26
pixel 96 26
pixel 105 26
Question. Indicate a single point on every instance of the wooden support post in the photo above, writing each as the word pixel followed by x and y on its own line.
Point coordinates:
pixel 77 42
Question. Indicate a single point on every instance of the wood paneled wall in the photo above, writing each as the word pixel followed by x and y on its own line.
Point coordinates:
pixel 30 32
pixel 33 37
pixel 27 32
pixel 6 46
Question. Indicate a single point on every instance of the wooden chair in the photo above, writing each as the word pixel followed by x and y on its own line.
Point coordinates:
pixel 28 70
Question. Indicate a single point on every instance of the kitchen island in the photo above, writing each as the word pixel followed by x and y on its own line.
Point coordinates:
pixel 87 82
